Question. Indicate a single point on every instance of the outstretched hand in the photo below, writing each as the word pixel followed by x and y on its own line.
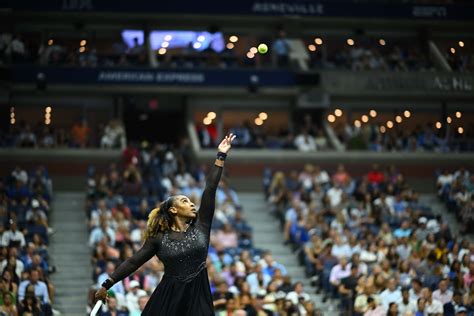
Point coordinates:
pixel 226 143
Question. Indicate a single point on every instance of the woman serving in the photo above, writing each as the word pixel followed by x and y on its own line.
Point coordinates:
pixel 178 235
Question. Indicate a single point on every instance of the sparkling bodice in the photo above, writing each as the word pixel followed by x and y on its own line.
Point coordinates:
pixel 184 254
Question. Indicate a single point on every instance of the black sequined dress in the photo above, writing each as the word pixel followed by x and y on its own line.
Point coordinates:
pixel 184 289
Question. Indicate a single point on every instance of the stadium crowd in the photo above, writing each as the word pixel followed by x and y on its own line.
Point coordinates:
pixel 80 135
pixel 308 137
pixel 244 280
pixel 25 206
pixel 369 244
pixel 365 54
pixel 419 138
pixel 456 190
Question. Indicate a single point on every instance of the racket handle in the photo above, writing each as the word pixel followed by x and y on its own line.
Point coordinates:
pixel 96 308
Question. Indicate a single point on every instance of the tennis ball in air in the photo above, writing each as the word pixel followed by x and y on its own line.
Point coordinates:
pixel 262 48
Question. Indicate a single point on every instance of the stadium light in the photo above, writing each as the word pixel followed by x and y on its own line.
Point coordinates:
pixel 438 125
pixel 350 42
pixel 458 114
pixel 461 44
pixel 197 45
pixel 357 123
pixel 365 118
pixel 165 44
pixel 201 38
pixel 382 42
pixel 258 121
pixel 233 39
pixel 253 50
pixel 207 121
pixel 407 113
pixel 168 37
pixel 338 112
pixel 452 50
pixel 398 119
pixel 263 116
pixel 212 115
pixel 460 130
pixel 389 124
pixel 382 129
pixel 318 41
pixel 312 47
pixel 83 43
pixel 162 51
pixel 331 118
pixel 50 42
pixel 250 55
pixel 373 113
pixel 229 45
pixel 449 120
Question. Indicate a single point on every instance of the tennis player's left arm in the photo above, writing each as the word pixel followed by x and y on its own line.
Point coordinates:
pixel 208 200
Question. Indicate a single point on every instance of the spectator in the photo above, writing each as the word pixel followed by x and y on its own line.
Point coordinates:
pixel 374 308
pixel 142 300
pixel 133 297
pixel 443 294
pixel 305 142
pixel 406 305
pixel 40 288
pixel 114 136
pixel 13 237
pixel 80 132
pixel 281 50
pixel 347 290
pixel 390 294
pixel 112 308
pixel 432 305
pixel 17 49
pixel 104 231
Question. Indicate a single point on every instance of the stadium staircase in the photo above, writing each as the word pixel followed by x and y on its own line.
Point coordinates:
pixel 70 254
pixel 267 236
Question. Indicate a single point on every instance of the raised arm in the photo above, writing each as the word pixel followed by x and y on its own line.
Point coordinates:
pixel 208 200
pixel 149 248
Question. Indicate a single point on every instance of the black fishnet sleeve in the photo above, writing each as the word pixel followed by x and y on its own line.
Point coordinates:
pixel 146 252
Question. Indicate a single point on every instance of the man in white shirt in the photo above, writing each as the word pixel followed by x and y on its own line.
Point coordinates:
pixel 295 295
pixel 433 307
pixel 142 300
pixel 321 177
pixel 416 290
pixel 406 305
pixel 305 142
pixel 100 211
pixel 133 295
pixel 444 180
pixel 340 249
pixel 98 233
pixel 41 290
pixel 13 236
pixel 335 195
pixel 443 294
pixel 390 294
pixel 339 272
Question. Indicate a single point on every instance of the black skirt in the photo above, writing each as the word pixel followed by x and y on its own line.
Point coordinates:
pixel 181 298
